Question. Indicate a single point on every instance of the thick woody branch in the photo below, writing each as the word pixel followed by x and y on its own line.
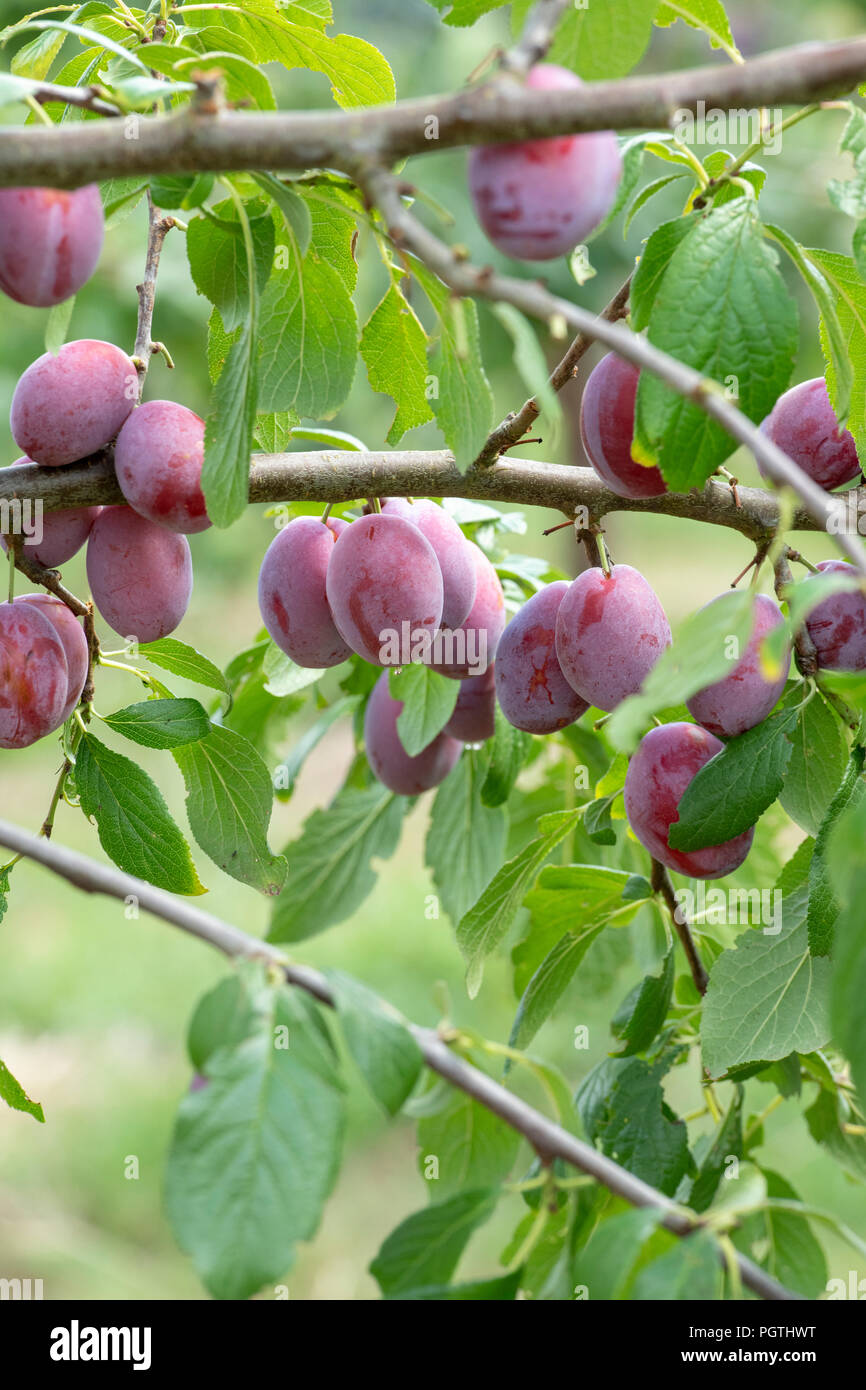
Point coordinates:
pixel 549 1139
pixel 500 109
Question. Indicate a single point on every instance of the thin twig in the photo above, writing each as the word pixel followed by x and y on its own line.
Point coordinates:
pixel 537 37
pixel 157 231
pixel 660 881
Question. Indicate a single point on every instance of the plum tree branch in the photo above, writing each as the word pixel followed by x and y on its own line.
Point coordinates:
pixel 501 108
pixel 661 884
pixel 158 228
pixel 549 1139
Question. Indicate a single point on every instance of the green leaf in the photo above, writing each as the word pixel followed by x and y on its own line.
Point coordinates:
pixel 531 363
pixel 850 196
pixel 606 1265
pixel 386 1054
pixel 223 1018
pixel 708 15
pixel 161 723
pixel 229 430
pixel 647 192
pixel 549 983
pixel 508 752
pixel 726 1143
pixel 255 1153
pixel 183 660
pixel 463 400
pixel 229 803
pixel 497 1289
pixel 599 41
pixel 823 900
pixel 133 822
pixel 849 292
pixel 57 325
pixel 394 350
pixel 295 211
pixel 463 1146
pixel 286 775
pixel 466 840
pixel 816 767
pixel 842 864
pixel 218 260
pixel 4 893
pixel 690 1270
pixel 13 1093
pixel 792 1254
pixel 330 865
pixel 732 790
pixel 284 676
pixel 120 197
pixel 722 308
pixel 653 265
pixel 273 432
pixel 640 1016
pixel 428 703
pixel 827 1118
pixel 461 13
pixel 34 59
pixel 425 1248
pixel 623 1108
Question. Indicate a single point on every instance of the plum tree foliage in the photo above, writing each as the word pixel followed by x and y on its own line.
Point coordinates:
pixel 578 753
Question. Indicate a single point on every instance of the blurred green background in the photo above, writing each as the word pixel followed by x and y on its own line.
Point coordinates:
pixel 93 1007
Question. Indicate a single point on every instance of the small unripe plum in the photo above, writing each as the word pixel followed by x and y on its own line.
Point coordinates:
pixel 140 574
pixel 474 717
pixel 74 643
pixel 382 574
pixel 804 426
pixel 34 676
pixel 387 756
pixel 158 459
pixel 451 549
pixel 63 532
pixel 837 626
pixel 666 760
pixel 292 597
pixel 538 199
pixel 49 242
pixel 610 632
pixel 533 693
pixel 470 648
pixel 744 697
pixel 607 429
pixel 68 406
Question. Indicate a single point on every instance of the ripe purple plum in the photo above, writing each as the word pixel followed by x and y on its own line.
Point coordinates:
pixel 837 626
pixel 384 588
pixel 469 649
pixel 158 459
pixel 804 426
pixel 68 406
pixel 533 693
pixel 34 676
pixel 474 717
pixel 292 596
pixel 744 697
pixel 607 429
pixel 387 756
pixel 666 760
pixel 610 632
pixel 451 549
pixel 49 242
pixel 140 574
pixel 63 532
pixel 74 643
pixel 539 198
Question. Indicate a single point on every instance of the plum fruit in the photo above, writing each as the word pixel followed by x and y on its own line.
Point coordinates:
pixel 292 597
pixel 533 693
pixel 158 459
pixel 744 697
pixel 474 717
pixel 34 675
pixel 610 632
pixel 140 574
pixel 387 756
pixel 607 429
pixel 68 406
pixel 803 424
pixel 451 549
pixel 473 644
pixel 837 626
pixel 49 242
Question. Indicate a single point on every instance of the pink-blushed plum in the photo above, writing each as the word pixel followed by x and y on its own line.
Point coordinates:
pixel 388 758
pixel 533 693
pixel 158 459
pixel 292 598
pixel 837 626
pixel 63 532
pixel 610 632
pixel 74 643
pixel 451 549
pixel 34 676
pixel 538 199
pixel 660 770
pixel 140 574
pixel 384 588
pixel 50 242
pixel 804 426
pixel 469 649
pixel 474 717
pixel 742 699
pixel 68 406
pixel 607 429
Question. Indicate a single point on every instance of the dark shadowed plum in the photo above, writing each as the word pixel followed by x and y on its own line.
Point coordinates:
pixel 607 429
pixel 666 760
pixel 610 632
pixel 742 699
pixel 383 574
pixel 292 595
pixel 74 643
pixel 158 459
pixel 451 549
pixel 469 649
pixel 533 693
pixel 837 626
pixel 387 756
pixel 140 574
pixel 803 424
pixel 34 676
pixel 539 198
pixel 49 242
pixel 474 717
pixel 63 533
pixel 68 406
